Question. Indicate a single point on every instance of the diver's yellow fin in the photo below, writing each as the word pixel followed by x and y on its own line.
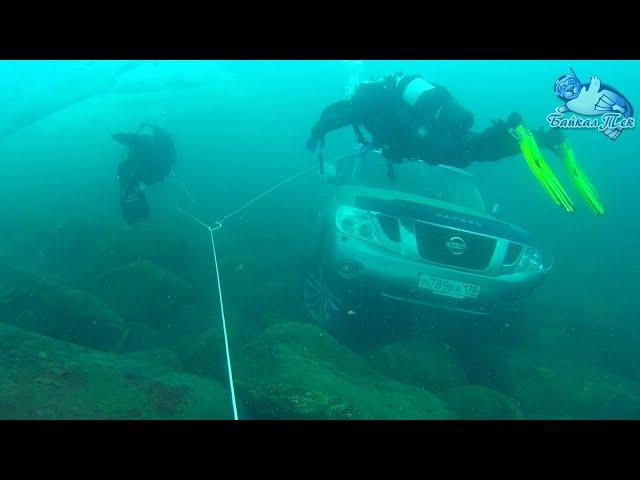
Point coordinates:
pixel 541 169
pixel 579 178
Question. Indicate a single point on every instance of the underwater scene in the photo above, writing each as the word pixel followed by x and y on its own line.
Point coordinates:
pixel 319 240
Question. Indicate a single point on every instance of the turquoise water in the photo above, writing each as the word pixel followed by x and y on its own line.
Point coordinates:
pixel 104 320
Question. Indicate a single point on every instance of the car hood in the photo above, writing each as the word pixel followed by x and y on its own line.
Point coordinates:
pixel 441 213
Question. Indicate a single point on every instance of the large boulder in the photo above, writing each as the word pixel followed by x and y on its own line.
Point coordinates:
pixel 425 362
pixel 43 378
pixel 80 246
pixel 184 252
pixel 204 354
pixel 298 371
pixel 193 320
pixel 476 402
pixel 67 314
pixel 548 384
pixel 140 337
pixel 144 292
pixel 158 357
pixel 15 278
pixel 594 335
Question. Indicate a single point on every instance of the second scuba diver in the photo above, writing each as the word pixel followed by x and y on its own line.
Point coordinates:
pixel 149 160
pixel 410 118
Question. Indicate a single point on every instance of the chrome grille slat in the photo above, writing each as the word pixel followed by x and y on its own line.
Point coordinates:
pixel 432 242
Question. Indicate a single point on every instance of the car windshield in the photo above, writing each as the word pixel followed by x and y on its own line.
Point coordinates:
pixel 418 178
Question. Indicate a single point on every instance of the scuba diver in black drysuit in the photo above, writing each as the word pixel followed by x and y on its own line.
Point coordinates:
pixel 149 160
pixel 412 119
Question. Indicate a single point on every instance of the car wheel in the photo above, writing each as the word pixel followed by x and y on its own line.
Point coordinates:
pixel 322 306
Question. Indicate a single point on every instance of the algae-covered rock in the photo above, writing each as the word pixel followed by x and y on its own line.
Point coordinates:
pixel 423 361
pixel 296 370
pixel 476 402
pixel 43 378
pixel 139 337
pixel 274 317
pixel 83 244
pixel 67 314
pixel 20 279
pixel 551 385
pixel 156 243
pixel 160 357
pixel 143 292
pixel 192 320
pixel 203 354
pixel 612 343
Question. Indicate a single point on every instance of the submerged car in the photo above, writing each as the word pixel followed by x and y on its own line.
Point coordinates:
pixel 424 239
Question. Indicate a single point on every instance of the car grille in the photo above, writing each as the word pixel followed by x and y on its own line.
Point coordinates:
pixel 438 244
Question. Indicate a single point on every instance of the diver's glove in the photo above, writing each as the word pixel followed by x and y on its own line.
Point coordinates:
pixel 313 143
pixel 316 139
pixel 511 123
pixel 506 126
pixel 335 116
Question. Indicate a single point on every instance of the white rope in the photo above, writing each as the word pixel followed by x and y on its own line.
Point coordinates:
pixel 196 219
pixel 218 226
pixel 264 194
pixel 224 327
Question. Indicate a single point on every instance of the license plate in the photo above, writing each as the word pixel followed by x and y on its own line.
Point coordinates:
pixel 450 288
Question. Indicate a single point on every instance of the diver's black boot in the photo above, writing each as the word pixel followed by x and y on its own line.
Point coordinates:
pixel 133 202
pixel 134 206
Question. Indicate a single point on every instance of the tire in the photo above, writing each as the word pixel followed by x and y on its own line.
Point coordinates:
pixel 352 323
pixel 322 306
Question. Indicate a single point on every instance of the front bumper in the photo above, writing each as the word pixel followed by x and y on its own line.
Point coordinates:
pixel 361 271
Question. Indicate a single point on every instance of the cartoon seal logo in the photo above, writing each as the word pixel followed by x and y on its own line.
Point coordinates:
pixel 594 99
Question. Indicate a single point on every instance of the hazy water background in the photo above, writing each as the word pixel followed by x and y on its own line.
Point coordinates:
pixel 240 127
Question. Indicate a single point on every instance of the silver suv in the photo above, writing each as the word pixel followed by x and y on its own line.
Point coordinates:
pixel 425 239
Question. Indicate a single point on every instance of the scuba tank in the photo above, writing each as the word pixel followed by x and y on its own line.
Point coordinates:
pixel 164 154
pixel 412 87
pixel 436 103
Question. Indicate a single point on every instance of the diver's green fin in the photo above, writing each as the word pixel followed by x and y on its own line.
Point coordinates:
pixel 579 178
pixel 541 169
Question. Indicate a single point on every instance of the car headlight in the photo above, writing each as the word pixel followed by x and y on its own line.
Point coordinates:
pixel 531 261
pixel 357 223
